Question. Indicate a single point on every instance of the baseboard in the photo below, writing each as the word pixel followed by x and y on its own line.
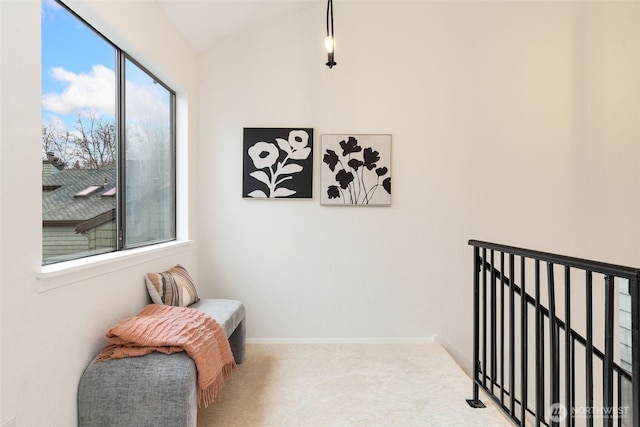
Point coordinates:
pixel 460 358
pixel 404 340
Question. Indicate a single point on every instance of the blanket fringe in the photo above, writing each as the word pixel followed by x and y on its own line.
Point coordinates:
pixel 106 354
pixel 208 395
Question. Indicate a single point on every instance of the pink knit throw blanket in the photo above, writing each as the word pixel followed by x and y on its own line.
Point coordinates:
pixel 170 329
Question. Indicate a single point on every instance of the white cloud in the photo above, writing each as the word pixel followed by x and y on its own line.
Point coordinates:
pixel 95 92
pixel 53 121
pixel 92 92
pixel 147 102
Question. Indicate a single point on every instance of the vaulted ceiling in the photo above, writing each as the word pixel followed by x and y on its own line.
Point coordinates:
pixel 207 22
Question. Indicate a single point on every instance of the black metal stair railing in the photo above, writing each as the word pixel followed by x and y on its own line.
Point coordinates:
pixel 510 365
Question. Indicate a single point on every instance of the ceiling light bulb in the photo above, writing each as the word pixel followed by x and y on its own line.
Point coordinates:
pixel 329 44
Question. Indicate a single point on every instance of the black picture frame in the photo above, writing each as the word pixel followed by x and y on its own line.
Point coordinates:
pixel 277 163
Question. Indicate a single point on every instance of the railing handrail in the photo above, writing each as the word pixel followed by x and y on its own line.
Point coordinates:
pixel 581 263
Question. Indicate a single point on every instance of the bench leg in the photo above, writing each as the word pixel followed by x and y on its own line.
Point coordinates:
pixel 237 342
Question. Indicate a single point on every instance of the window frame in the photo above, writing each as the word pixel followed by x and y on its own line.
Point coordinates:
pixel 121 249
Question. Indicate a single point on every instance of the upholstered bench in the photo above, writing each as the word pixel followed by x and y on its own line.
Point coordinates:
pixel 156 389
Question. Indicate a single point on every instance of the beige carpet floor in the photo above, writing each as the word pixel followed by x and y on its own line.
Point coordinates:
pixel 282 385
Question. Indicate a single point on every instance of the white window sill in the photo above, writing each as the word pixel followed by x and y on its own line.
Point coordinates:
pixel 65 273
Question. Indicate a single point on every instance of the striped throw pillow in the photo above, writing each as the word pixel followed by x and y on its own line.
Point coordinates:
pixel 172 287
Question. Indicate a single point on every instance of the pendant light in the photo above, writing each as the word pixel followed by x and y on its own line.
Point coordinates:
pixel 330 41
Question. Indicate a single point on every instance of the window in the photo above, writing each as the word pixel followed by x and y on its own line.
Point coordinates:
pixel 88 191
pixel 109 193
pixel 108 144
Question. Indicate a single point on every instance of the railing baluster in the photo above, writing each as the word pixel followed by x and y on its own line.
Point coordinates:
pixel 476 320
pixel 620 416
pixel 502 278
pixel 524 351
pixel 569 356
pixel 475 401
pixel 573 378
pixel 512 386
pixel 484 319
pixel 608 352
pixel 493 323
pixel 589 348
pixel 553 337
pixel 539 354
pixel 543 408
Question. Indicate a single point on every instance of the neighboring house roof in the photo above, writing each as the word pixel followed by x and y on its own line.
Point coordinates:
pixel 65 200
pixel 51 164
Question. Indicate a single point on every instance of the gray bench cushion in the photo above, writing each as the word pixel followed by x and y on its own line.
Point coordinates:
pixel 152 390
pixel 228 313
pixel 156 389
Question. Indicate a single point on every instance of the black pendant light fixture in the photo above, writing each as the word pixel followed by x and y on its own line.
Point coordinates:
pixel 330 42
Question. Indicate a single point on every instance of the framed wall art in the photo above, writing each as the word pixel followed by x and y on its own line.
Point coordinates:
pixel 356 170
pixel 277 163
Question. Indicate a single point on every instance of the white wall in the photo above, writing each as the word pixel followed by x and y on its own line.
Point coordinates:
pixel 49 337
pixel 514 122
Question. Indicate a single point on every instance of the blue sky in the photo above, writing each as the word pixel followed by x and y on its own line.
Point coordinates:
pixel 78 77
pixel 77 67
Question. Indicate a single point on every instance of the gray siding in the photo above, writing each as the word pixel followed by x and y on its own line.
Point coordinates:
pixel 624 303
pixel 61 243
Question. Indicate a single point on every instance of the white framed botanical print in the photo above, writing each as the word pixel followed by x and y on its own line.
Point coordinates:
pixel 356 169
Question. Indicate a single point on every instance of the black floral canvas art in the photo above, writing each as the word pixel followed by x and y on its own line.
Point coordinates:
pixel 356 170
pixel 278 163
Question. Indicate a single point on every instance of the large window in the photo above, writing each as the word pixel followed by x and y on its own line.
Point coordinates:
pixel 108 144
